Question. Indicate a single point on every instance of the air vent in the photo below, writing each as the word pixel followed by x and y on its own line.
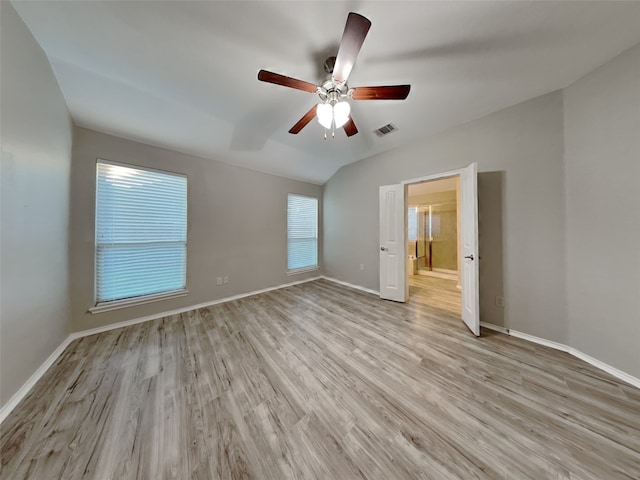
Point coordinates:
pixel 386 130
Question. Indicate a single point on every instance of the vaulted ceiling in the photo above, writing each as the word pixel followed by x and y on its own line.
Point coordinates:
pixel 182 74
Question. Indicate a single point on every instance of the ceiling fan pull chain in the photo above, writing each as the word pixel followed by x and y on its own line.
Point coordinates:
pixel 325 133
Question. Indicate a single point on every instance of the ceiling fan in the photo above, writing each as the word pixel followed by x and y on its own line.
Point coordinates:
pixel 334 110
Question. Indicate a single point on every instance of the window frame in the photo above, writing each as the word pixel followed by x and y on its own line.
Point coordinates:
pixel 104 306
pixel 309 268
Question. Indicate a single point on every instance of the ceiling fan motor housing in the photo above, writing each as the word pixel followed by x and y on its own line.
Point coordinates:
pixel 331 93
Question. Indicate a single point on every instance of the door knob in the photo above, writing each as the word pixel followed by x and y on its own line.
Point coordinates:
pixel 384 249
pixel 470 257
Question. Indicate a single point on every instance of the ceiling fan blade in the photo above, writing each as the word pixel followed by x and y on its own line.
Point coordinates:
pixel 395 92
pixel 270 77
pixel 304 120
pixel 350 128
pixel 355 31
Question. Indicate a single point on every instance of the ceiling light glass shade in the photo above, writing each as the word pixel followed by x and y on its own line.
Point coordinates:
pixel 341 112
pixel 325 114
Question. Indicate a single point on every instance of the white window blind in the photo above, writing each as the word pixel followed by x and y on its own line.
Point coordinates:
pixel 412 223
pixel 141 232
pixel 302 232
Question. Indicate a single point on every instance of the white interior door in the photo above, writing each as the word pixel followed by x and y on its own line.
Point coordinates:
pixel 393 264
pixel 469 240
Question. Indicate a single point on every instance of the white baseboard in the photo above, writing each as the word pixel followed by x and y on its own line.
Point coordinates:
pixel 624 376
pixel 28 385
pixel 619 374
pixel 495 328
pixel 352 285
pixel 22 392
pixel 539 341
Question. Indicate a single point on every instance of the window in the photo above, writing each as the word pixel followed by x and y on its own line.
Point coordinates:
pixel 302 233
pixel 141 232
pixel 412 223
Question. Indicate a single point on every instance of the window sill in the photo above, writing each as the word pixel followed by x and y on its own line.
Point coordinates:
pixel 303 270
pixel 118 304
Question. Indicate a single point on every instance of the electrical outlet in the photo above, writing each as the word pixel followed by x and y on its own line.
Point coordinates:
pixel 219 281
pixel 499 301
pixel 362 266
pixel 225 279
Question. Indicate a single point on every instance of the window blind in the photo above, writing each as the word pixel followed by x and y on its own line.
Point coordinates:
pixel 141 232
pixel 302 232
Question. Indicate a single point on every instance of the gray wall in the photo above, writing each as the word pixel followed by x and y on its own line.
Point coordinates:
pixel 602 125
pixel 36 157
pixel 519 152
pixel 237 226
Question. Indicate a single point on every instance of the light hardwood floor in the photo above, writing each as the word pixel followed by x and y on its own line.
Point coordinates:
pixel 437 294
pixel 320 381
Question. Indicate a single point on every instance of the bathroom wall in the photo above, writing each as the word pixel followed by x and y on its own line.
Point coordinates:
pixel 445 245
pixel 444 248
pixel 431 198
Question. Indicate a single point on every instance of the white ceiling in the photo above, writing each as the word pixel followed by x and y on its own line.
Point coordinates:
pixel 182 74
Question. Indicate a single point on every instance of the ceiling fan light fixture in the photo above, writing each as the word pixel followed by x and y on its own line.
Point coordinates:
pixel 341 111
pixel 335 115
pixel 325 114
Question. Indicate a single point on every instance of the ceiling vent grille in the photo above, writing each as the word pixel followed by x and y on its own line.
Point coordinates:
pixel 386 130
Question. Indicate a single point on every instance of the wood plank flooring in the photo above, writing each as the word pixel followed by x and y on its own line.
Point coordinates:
pixel 437 294
pixel 317 381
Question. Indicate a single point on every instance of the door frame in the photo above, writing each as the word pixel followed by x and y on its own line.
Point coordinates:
pixel 405 184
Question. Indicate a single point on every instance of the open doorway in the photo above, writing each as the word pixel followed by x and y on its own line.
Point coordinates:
pixel 394 257
pixel 433 243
